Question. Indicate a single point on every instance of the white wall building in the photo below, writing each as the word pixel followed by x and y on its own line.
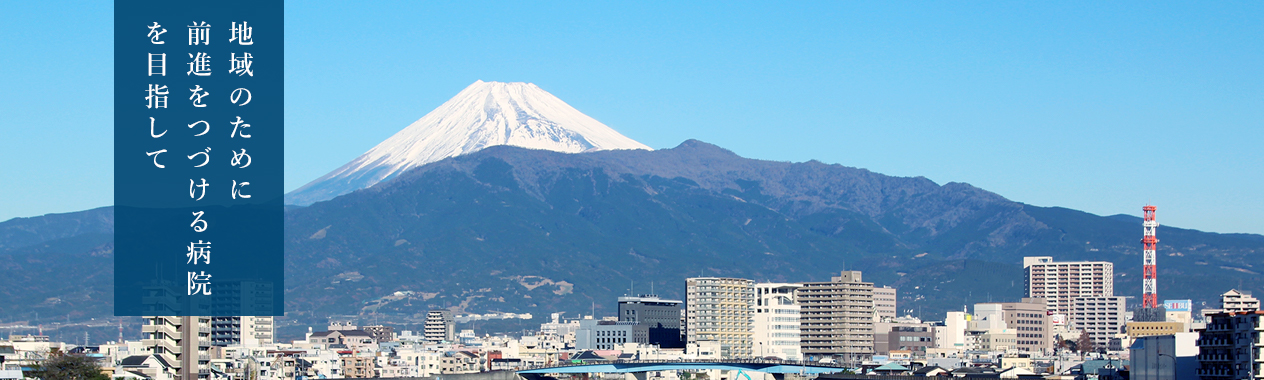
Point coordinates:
pixel 776 321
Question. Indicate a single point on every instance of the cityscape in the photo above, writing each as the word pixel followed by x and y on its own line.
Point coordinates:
pixel 481 190
pixel 1071 325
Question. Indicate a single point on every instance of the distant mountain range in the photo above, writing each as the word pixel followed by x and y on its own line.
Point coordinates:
pixel 514 229
pixel 506 199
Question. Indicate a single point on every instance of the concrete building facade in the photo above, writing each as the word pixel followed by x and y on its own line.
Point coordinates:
pixel 1227 347
pixel 440 326
pixel 884 303
pixel 1100 317
pixel 1060 283
pixel 1234 301
pixel 661 317
pixel 836 317
pixel 608 334
pixel 182 342
pixel 719 309
pixel 776 321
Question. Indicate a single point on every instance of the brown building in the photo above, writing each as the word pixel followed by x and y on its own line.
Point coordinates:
pixel 380 333
pixel 358 367
pixel 836 317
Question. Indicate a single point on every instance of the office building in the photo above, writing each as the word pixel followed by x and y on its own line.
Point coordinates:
pixel 903 334
pixel 776 321
pixel 1100 317
pixel 608 334
pixel 719 309
pixel 836 318
pixel 1061 282
pixel 661 317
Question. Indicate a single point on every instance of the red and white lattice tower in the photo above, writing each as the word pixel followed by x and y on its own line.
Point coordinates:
pixel 1149 285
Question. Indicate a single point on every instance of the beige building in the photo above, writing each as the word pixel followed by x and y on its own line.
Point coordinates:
pixel 884 304
pixel 719 309
pixel 1060 283
pixel 1142 329
pixel 1235 300
pixel 836 317
pixel 1028 319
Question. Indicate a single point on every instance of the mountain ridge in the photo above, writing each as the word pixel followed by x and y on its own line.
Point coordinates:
pixel 484 114
pixel 515 229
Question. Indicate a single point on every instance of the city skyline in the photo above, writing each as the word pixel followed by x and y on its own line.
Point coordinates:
pixel 1100 108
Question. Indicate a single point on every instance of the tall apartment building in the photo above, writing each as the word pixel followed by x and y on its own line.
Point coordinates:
pixel 884 305
pixel 1100 317
pixel 1235 300
pixel 246 331
pixel 836 317
pixel 440 326
pixel 661 317
pixel 776 321
pixel 1060 282
pixel 719 309
pixel 183 342
pixel 1228 347
pixel 1030 321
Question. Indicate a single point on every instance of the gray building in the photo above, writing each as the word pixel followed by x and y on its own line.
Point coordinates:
pixel 608 334
pixel 836 317
pixel 661 317
pixel 902 334
pixel 1164 357
pixel 1228 347
pixel 440 326
pixel 1100 317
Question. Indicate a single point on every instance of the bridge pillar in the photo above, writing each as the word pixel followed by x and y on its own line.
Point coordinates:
pixel 634 376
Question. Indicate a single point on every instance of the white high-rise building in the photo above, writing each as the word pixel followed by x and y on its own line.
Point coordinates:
pixel 1059 282
pixel 776 321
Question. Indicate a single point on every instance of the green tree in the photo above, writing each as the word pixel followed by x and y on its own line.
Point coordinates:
pixel 69 367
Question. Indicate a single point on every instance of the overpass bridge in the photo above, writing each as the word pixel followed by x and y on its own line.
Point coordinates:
pixel 638 368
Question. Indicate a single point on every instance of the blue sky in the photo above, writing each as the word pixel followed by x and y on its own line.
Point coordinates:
pixel 1096 107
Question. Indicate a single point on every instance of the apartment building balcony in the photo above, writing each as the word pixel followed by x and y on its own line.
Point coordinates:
pixel 1215 372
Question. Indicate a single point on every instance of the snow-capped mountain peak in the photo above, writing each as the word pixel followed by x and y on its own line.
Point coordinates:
pixel 482 115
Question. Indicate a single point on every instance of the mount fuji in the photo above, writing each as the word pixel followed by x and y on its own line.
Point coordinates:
pixel 482 115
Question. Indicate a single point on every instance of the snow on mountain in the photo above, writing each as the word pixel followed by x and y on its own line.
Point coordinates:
pixel 482 115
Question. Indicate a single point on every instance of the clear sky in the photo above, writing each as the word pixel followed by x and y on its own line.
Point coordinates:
pixel 1092 106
